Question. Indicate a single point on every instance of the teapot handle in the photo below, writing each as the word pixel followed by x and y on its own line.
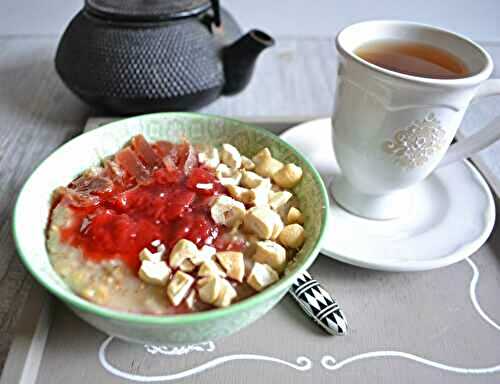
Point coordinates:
pixel 216 10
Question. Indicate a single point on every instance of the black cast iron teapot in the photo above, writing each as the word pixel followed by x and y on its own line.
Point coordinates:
pixel 138 56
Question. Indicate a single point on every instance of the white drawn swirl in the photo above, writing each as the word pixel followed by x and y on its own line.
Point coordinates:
pixel 303 363
pixel 329 362
pixel 473 297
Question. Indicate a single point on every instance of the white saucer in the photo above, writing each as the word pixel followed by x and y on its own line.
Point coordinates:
pixel 452 214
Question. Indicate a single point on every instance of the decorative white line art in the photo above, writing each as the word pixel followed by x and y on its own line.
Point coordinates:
pixel 473 297
pixel 329 362
pixel 303 363
pixel 208 346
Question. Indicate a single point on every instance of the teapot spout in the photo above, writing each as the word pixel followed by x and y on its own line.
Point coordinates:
pixel 239 59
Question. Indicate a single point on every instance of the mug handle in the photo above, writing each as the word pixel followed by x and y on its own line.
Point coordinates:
pixel 486 136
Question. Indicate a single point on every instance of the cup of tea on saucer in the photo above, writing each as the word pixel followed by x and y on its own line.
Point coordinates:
pixel 402 91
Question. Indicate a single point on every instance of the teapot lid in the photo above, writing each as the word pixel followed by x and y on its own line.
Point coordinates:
pixel 146 10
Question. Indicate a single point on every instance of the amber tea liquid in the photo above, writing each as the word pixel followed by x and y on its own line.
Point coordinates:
pixel 413 58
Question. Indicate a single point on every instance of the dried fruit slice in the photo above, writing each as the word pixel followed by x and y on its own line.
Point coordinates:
pixel 92 184
pixel 145 152
pixel 129 161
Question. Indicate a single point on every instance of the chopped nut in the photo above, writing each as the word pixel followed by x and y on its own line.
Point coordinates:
pixel 262 155
pixel 288 176
pixel 279 198
pixel 265 164
pixel 183 249
pixel 233 180
pixel 247 164
pixel 209 289
pixel 211 268
pixel 250 179
pixel 261 276
pixel 268 167
pixel 190 299
pixel 261 221
pixel 179 287
pixel 205 254
pixel 260 194
pixel 154 273
pixel 227 211
pixel 230 156
pixel 241 194
pixel 146 254
pixel 271 253
pixel 226 295
pixel 187 266
pixel 294 216
pixel 278 227
pixel 223 170
pixel 233 264
pixel 292 236
pixel 228 176
pixel 209 157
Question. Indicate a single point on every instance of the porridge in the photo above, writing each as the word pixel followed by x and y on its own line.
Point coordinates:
pixel 164 228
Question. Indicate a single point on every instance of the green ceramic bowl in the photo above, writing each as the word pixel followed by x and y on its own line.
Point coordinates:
pixel 32 208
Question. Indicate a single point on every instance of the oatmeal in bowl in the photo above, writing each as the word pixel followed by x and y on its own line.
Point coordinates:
pixel 171 228
pixel 164 228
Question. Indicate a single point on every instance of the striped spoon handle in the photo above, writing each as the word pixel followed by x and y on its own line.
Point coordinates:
pixel 319 304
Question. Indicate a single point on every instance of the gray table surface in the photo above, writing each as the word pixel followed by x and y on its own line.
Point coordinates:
pixel 292 82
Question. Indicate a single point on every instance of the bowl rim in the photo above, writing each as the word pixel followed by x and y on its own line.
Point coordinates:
pixel 76 302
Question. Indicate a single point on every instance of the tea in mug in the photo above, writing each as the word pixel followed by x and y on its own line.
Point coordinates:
pixel 413 58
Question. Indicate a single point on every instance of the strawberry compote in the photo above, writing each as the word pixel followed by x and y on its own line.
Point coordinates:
pixel 146 192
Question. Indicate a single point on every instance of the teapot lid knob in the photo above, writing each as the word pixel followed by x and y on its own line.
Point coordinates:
pixel 216 11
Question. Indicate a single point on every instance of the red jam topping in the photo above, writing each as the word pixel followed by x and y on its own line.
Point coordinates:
pixel 147 192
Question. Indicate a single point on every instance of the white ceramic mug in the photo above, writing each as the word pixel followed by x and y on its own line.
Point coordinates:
pixel 391 130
